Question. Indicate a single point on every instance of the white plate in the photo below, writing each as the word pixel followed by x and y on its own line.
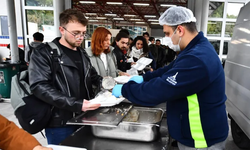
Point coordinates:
pixel 60 147
pixel 106 99
pixel 112 103
pixel 142 63
pixel 122 79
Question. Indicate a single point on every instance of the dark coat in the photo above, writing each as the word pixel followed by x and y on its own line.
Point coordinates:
pixel 121 60
pixel 193 86
pixel 154 51
pixel 58 94
pixel 161 61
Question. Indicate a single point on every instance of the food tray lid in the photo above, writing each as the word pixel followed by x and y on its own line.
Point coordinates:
pixel 104 116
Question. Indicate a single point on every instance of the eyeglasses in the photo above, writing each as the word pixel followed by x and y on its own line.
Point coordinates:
pixel 77 36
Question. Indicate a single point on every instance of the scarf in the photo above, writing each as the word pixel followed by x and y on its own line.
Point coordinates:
pixel 124 51
pixel 136 52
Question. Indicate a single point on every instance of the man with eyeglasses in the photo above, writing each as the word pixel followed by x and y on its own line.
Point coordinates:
pixel 66 86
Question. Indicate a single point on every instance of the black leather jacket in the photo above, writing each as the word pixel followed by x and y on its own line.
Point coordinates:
pixel 57 93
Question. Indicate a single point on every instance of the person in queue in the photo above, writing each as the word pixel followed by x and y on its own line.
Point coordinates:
pixel 13 138
pixel 193 86
pixel 151 40
pixel 138 49
pixel 23 65
pixel 146 36
pixel 161 60
pixel 20 52
pixel 130 41
pixel 153 49
pixel 70 88
pixel 37 40
pixel 158 42
pixel 101 54
pixel 120 51
pixel 123 31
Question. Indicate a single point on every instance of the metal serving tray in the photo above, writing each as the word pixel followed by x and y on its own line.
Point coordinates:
pixel 145 129
pixel 104 116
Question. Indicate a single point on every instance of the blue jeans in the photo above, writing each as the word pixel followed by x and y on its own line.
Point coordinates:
pixel 58 134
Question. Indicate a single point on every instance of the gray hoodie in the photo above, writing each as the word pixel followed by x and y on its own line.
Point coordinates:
pixel 27 49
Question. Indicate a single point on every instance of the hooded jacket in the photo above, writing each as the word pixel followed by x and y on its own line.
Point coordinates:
pixel 27 49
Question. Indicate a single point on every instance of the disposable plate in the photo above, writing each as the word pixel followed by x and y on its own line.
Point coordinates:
pixel 122 79
pixel 106 99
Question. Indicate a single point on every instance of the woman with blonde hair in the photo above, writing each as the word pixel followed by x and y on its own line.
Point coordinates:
pixel 101 54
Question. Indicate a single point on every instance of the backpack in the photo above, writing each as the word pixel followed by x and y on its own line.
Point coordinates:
pixel 32 113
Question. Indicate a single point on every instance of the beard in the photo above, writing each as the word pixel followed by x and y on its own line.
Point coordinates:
pixel 123 48
pixel 73 44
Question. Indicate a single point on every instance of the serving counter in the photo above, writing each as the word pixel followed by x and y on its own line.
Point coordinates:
pixel 84 138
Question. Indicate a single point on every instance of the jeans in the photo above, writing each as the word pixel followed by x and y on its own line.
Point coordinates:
pixel 58 134
pixel 217 146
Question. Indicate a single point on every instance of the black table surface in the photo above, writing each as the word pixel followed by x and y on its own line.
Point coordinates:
pixel 84 138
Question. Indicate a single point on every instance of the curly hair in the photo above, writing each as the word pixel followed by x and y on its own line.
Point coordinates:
pixel 145 45
pixel 97 40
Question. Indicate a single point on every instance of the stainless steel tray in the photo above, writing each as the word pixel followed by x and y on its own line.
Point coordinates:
pixel 145 129
pixel 104 116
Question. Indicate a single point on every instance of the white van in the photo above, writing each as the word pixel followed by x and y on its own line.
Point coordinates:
pixel 237 72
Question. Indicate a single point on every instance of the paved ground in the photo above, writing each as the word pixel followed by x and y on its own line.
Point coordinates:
pixel 7 111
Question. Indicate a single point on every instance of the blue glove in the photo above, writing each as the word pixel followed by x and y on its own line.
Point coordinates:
pixel 117 90
pixel 137 79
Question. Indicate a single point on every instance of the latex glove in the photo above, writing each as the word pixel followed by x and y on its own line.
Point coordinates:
pixel 88 106
pixel 137 79
pixel 117 90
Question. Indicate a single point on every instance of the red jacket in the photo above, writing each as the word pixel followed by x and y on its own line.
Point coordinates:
pixel 14 138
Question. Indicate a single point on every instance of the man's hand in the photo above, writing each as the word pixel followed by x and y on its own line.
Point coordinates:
pixel 39 147
pixel 123 74
pixel 88 106
pixel 133 63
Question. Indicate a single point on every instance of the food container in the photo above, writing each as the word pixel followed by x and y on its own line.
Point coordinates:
pixel 104 116
pixel 144 127
pixel 108 83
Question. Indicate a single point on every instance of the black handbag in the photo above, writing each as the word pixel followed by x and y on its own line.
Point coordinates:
pixel 35 115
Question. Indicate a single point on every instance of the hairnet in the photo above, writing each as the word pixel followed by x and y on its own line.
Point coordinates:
pixel 176 15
